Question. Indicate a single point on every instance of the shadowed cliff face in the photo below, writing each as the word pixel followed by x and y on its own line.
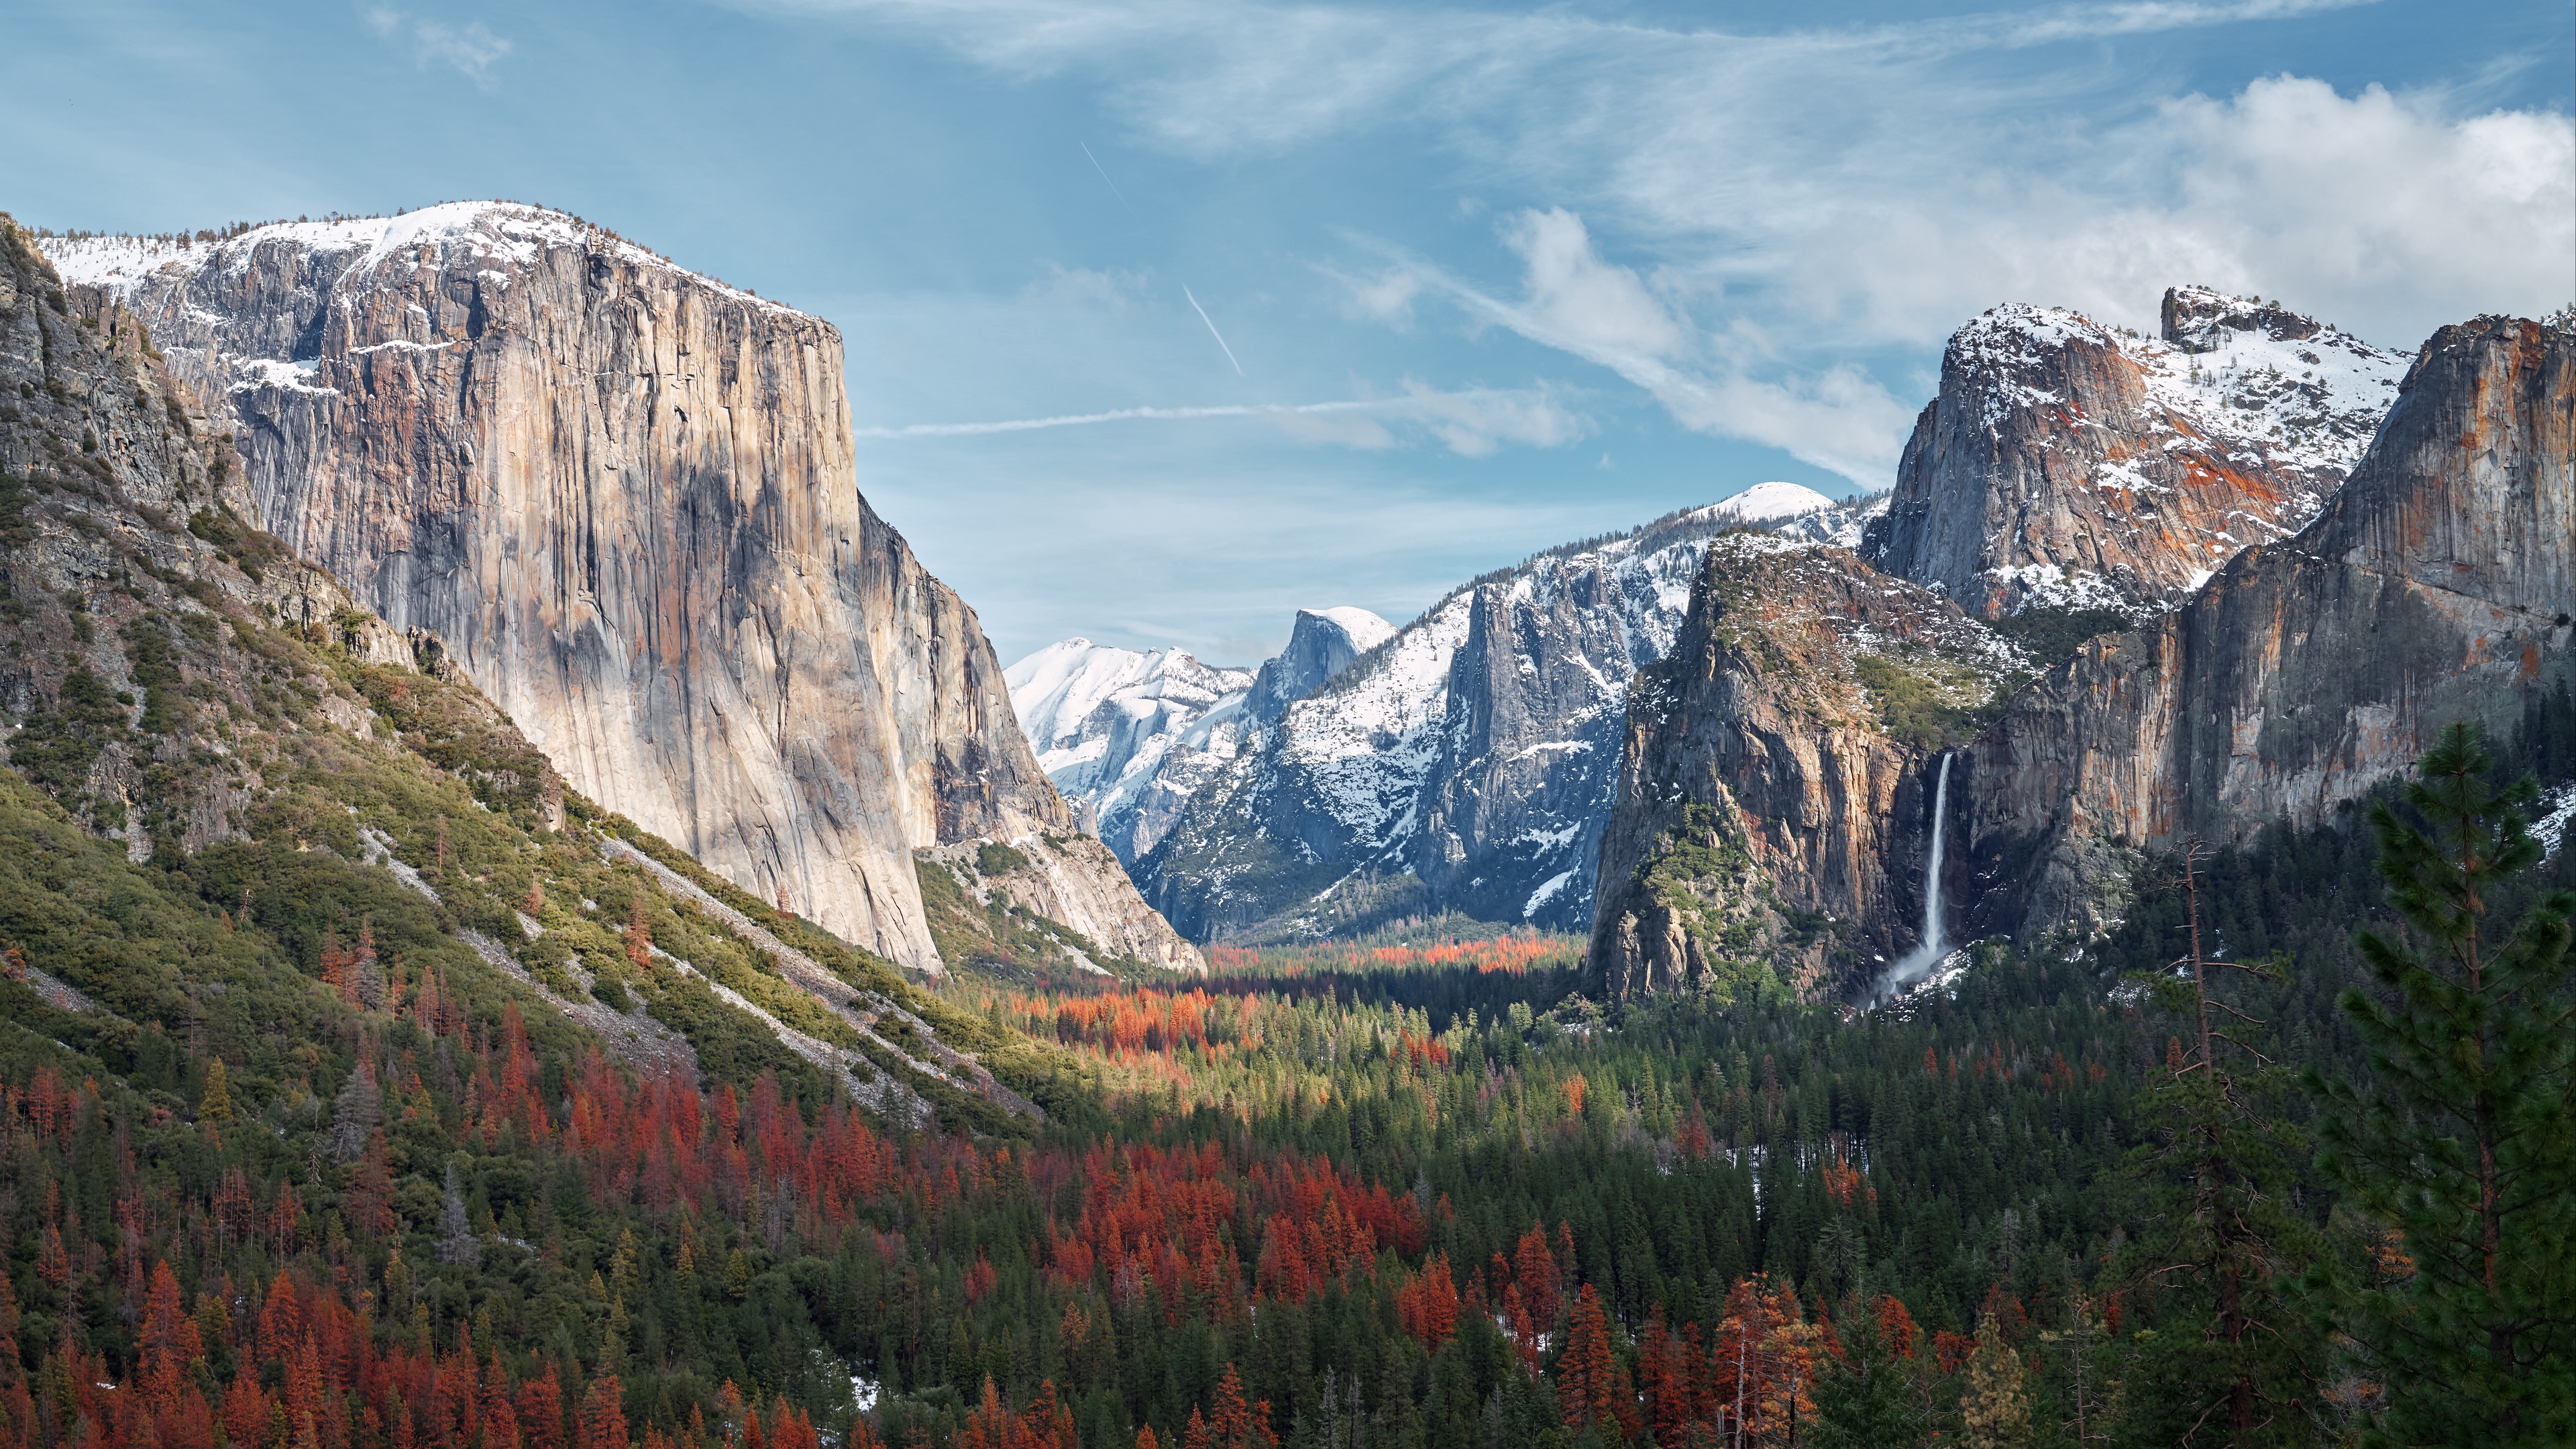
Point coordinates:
pixel 2436 586
pixel 1774 800
pixel 2066 464
pixel 624 497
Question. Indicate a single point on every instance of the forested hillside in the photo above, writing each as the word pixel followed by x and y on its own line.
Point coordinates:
pixel 363 1088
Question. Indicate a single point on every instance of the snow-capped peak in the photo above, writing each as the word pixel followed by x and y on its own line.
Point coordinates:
pixel 504 233
pixel 1366 630
pixel 1769 503
pixel 1057 689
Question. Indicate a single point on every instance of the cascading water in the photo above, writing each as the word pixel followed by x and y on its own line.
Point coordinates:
pixel 1918 963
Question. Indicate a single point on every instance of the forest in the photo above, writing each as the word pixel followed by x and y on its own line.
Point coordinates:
pixel 289 1163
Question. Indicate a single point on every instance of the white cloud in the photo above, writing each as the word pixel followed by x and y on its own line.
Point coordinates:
pixel 1836 417
pixel 1473 423
pixel 472 50
pixel 1596 307
pixel 1779 203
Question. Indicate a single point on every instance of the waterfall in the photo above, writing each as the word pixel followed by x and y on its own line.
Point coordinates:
pixel 1919 962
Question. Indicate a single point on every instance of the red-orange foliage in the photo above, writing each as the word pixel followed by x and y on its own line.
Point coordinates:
pixel 1590 1383
pixel 1428 1305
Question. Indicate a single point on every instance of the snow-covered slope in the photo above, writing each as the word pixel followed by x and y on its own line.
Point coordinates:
pixel 1466 763
pixel 1127 734
pixel 1771 502
pixel 2070 464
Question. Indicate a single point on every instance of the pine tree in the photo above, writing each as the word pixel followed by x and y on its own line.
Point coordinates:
pixel 2462 1137
pixel 1995 1409
pixel 1865 1397
pixel 215 1100
pixel 2229 1363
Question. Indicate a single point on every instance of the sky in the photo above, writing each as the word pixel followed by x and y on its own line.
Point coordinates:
pixel 1166 319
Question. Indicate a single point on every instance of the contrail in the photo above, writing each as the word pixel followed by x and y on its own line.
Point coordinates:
pixel 1023 425
pixel 1104 173
pixel 1212 332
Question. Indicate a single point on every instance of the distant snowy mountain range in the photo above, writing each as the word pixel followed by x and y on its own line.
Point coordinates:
pixel 1127 735
pixel 1481 738
pixel 1469 761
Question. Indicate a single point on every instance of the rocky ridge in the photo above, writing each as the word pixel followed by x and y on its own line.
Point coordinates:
pixel 2070 465
pixel 622 497
pixel 1467 763
pixel 2437 585
pixel 1773 797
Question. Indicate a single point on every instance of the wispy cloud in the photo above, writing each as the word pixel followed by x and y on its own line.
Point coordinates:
pixel 1836 418
pixel 471 49
pixel 1780 202
pixel 1472 423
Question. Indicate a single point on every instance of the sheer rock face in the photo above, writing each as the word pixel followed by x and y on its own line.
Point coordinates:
pixel 2066 464
pixel 624 497
pixel 1321 644
pixel 2436 586
pixel 1766 812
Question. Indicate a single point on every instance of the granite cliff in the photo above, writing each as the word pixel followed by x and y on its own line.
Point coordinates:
pixel 2070 465
pixel 2437 585
pixel 1774 796
pixel 1321 644
pixel 622 497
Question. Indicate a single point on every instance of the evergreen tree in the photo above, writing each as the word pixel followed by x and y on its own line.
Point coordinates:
pixel 1995 1408
pixel 1865 1397
pixel 2462 1137
pixel 2229 1363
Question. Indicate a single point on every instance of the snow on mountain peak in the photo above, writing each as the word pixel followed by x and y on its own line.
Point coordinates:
pixel 1366 630
pixel 1770 503
pixel 503 234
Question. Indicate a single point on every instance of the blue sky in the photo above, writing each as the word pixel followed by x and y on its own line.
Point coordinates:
pixel 1484 279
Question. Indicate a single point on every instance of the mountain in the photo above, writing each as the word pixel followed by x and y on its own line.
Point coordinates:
pixel 622 497
pixel 1776 811
pixel 1773 502
pixel 1321 644
pixel 1126 735
pixel 2067 465
pixel 241 804
pixel 2437 585
pixel 1772 771
pixel 1465 763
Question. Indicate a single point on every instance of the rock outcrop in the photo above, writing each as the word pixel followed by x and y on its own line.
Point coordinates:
pixel 1009 903
pixel 1466 764
pixel 2070 465
pixel 2436 586
pixel 128 696
pixel 622 496
pixel 1775 795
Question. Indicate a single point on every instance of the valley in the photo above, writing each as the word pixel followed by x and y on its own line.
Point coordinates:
pixel 532 920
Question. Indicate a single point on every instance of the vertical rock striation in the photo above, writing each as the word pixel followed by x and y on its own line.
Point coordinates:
pixel 2436 586
pixel 2070 465
pixel 623 495
pixel 1773 799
